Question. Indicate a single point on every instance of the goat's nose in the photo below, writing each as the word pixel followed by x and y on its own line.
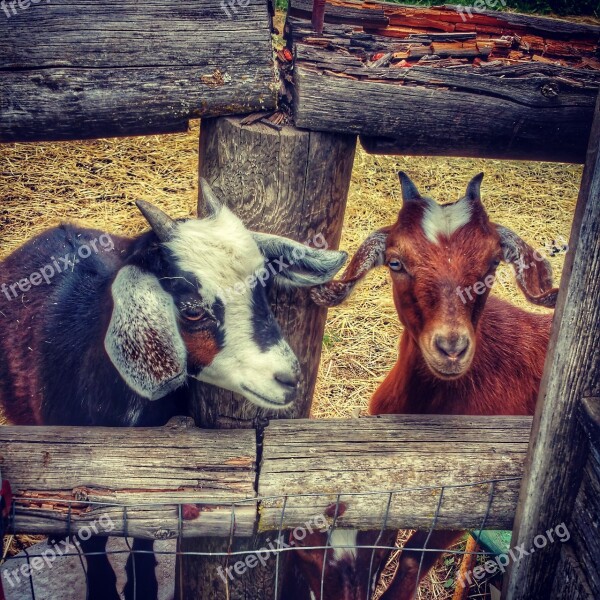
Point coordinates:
pixel 453 346
pixel 288 379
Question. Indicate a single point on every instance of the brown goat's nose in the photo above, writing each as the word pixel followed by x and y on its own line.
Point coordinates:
pixel 453 346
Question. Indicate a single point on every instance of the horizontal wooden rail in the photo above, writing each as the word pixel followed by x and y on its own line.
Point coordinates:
pixel 420 81
pixel 180 480
pixel 98 68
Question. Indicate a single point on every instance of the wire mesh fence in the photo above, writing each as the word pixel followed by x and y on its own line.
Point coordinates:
pixel 325 536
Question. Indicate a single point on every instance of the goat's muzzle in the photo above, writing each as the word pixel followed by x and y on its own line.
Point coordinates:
pixel 448 354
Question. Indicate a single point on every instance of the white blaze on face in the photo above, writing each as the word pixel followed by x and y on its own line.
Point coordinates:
pixel 223 256
pixel 444 220
pixel 343 542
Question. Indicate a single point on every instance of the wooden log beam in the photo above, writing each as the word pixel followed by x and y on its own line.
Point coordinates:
pixel 352 13
pixel 519 90
pixel 359 461
pixel 449 113
pixel 99 68
pixel 558 449
pixel 98 470
pixel 380 14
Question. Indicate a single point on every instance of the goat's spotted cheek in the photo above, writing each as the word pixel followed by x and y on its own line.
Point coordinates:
pixel 202 348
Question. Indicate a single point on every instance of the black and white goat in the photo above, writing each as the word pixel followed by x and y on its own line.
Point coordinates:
pixel 112 340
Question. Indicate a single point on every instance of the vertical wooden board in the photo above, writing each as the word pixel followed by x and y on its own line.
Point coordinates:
pixel 286 182
pixel 586 526
pixel 558 449
pixel 570 579
pixel 292 183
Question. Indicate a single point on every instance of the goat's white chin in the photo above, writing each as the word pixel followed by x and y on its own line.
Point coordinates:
pixel 273 399
pixel 264 401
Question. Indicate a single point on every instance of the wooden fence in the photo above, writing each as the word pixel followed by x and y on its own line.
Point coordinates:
pixel 98 69
pixel 64 478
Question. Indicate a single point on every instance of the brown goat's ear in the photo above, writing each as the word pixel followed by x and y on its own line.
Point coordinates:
pixel 370 254
pixel 142 339
pixel 533 271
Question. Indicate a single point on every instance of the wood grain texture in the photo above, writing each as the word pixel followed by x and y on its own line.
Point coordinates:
pixel 533 107
pixel 570 579
pixel 353 460
pixel 112 467
pixel 367 14
pixel 86 69
pixel 48 467
pixel 558 449
pixel 585 526
pixel 442 112
pixel 351 13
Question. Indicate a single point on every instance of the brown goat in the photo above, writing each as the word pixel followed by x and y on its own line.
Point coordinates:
pixel 460 353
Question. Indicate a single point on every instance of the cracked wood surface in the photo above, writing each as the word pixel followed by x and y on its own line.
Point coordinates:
pixel 74 69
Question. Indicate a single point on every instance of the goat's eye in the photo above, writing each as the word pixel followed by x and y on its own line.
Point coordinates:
pixel 194 314
pixel 395 265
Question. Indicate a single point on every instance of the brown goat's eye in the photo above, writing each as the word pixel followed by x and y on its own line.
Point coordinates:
pixel 395 265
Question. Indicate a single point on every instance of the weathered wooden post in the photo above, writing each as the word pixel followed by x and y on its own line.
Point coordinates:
pixel 287 182
pixel 557 448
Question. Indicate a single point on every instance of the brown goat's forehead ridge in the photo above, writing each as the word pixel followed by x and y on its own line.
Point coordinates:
pixel 437 223
pixel 443 220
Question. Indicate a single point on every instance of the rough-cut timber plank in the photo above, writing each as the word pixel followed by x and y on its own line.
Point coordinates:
pixel 413 87
pixel 352 13
pixel 366 13
pixel 542 25
pixel 559 450
pixel 570 579
pixel 76 69
pixel 334 457
pixel 53 466
pixel 585 519
pixel 585 527
pixel 441 112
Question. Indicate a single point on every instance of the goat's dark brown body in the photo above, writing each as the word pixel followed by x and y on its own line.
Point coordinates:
pixel 37 340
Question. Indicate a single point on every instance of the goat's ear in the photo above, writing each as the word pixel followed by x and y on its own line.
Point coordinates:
pixel 473 193
pixel 370 254
pixel 533 271
pixel 299 265
pixel 142 340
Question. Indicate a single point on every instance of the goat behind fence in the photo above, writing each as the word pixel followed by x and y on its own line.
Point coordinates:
pixel 326 536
